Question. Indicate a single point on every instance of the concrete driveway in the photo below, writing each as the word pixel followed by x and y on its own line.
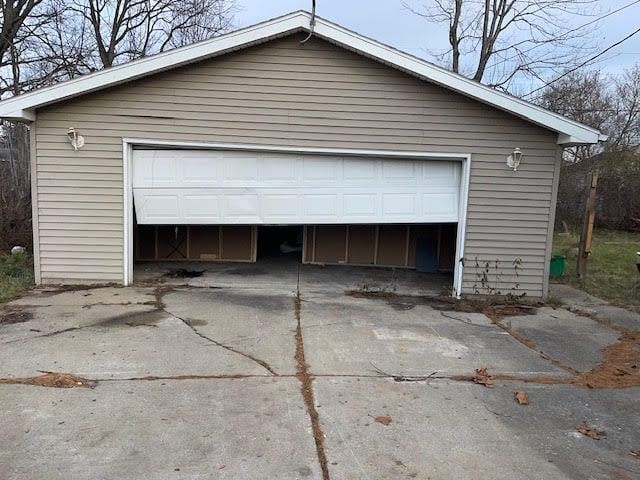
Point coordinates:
pixel 249 372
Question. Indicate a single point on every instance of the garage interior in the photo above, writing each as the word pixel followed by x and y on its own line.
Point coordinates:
pixel 428 248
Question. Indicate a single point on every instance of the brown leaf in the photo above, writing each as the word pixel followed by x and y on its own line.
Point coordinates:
pixel 522 398
pixel 383 419
pixel 634 453
pixel 589 431
pixel 483 377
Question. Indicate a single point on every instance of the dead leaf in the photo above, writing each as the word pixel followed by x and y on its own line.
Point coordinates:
pixel 383 419
pixel 589 431
pixel 483 377
pixel 634 453
pixel 522 398
pixel 221 466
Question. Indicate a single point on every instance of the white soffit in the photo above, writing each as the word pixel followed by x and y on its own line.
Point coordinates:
pixel 242 187
pixel 23 107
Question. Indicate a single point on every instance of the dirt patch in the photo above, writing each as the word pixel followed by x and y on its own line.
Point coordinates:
pixel 620 367
pixel 53 380
pixel 11 316
pixel 184 273
pixel 58 289
pixel 306 387
pixel 538 379
pixel 493 310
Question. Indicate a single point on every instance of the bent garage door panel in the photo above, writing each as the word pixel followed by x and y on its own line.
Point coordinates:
pixel 240 187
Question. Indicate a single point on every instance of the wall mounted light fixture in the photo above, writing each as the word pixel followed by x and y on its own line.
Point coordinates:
pixel 513 160
pixel 77 141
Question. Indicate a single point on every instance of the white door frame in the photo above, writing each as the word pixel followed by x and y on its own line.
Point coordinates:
pixel 127 156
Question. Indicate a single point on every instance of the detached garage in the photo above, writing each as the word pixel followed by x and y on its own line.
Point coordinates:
pixel 341 148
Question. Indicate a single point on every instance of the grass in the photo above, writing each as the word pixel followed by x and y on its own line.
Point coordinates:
pixel 16 275
pixel 611 272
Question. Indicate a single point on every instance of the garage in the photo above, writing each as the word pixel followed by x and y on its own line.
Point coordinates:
pixel 353 208
pixel 318 141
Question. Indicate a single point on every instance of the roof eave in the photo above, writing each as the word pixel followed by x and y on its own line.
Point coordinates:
pixel 586 138
pixel 20 115
pixel 569 132
pixel 22 106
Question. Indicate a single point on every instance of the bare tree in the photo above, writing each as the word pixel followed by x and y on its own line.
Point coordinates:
pixel 14 15
pixel 19 19
pixel 123 30
pixel 586 98
pixel 43 42
pixel 624 131
pixel 496 41
pixel 611 104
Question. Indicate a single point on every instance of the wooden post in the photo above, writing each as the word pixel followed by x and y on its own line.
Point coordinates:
pixel 586 238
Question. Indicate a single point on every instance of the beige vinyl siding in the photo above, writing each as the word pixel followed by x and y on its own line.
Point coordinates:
pixel 288 94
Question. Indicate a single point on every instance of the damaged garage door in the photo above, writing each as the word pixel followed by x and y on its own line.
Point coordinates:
pixel 188 187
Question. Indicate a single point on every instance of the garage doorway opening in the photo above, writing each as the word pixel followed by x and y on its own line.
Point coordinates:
pixel 426 248
pixel 187 183
pixel 280 242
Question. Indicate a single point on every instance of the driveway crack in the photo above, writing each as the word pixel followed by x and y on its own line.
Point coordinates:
pixel 260 362
pixel 306 387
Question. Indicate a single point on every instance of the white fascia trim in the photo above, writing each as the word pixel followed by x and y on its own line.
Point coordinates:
pixel 570 140
pixel 458 272
pixel 22 106
pixel 127 213
pixel 19 107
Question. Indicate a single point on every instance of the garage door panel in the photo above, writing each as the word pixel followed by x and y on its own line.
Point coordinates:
pixel 360 205
pixel 216 187
pixel 440 204
pixel 321 206
pixel 161 206
pixel 399 205
pixel 399 171
pixel 199 171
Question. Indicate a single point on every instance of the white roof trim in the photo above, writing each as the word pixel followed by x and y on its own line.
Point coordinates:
pixel 23 107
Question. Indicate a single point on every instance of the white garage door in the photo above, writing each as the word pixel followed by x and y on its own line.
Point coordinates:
pixel 232 187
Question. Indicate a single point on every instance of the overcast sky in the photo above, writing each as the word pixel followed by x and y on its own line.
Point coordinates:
pixel 389 22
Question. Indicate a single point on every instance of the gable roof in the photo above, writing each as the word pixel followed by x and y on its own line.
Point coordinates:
pixel 23 107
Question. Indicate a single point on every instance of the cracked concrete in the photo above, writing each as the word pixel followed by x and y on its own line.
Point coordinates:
pixel 246 380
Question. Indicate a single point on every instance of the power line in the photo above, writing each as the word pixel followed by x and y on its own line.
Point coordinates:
pixel 568 32
pixel 586 62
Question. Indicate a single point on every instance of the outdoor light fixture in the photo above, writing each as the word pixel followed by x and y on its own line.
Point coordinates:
pixel 77 141
pixel 513 160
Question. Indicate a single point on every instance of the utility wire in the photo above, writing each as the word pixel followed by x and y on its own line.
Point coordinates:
pixel 576 29
pixel 586 62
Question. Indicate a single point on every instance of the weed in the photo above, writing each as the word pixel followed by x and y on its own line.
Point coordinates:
pixel 16 275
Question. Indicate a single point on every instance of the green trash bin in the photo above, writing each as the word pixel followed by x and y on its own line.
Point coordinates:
pixel 557 266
